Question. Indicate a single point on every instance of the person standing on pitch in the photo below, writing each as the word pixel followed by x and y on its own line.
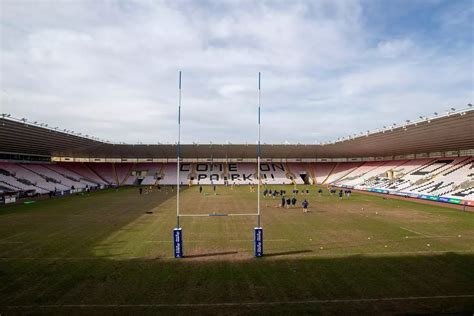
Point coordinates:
pixel 340 194
pixel 293 202
pixel 200 189
pixel 283 202
pixel 305 206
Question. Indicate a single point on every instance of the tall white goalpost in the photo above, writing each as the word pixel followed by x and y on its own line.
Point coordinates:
pixel 258 231
pixel 178 232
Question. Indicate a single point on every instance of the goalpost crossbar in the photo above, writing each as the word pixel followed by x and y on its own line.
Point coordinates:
pixel 218 214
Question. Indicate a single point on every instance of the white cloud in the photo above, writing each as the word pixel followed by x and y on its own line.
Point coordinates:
pixel 394 48
pixel 110 69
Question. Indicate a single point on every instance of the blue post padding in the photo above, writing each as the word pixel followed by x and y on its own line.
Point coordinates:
pixel 258 241
pixel 178 242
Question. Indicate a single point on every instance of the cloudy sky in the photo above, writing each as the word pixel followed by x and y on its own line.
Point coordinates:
pixel 329 68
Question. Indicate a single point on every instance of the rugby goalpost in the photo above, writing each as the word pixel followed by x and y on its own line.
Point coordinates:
pixel 178 232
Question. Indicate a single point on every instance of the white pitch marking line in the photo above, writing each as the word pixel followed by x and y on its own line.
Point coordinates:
pixel 217 215
pixel 233 240
pixel 13 236
pixel 62 258
pixel 429 236
pixel 170 241
pixel 316 301
pixel 413 231
pixel 265 240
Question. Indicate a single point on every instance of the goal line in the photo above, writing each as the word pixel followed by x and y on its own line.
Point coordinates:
pixel 218 214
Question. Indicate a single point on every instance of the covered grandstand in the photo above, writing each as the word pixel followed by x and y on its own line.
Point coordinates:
pixel 453 132
pixel 431 159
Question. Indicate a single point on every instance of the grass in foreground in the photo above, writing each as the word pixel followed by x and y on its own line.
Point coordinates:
pixel 87 252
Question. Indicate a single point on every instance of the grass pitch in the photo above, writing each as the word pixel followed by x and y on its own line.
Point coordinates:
pixel 103 253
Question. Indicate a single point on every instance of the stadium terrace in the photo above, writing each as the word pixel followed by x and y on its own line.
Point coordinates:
pixel 431 159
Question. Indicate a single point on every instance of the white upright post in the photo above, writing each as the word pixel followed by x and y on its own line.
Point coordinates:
pixel 258 231
pixel 177 232
pixel 258 158
pixel 179 153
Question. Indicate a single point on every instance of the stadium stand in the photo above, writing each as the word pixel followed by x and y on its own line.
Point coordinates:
pixel 14 182
pixel 144 173
pixel 80 180
pixel 340 171
pixel 451 178
pixel 83 171
pixel 53 177
pixel 105 171
pixel 358 174
pixel 396 179
pixel 122 171
pixel 275 173
pixel 42 178
pixel 23 174
pixel 362 176
pixel 244 173
pixel 303 172
pixel 208 173
pixel 168 175
pixel 429 158
pixel 422 176
pixel 323 170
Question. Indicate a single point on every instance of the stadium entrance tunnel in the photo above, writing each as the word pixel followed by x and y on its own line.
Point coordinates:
pixel 305 178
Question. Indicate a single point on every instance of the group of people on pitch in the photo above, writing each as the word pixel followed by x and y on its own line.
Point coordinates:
pixel 291 202
pixel 346 192
pixel 287 202
pixel 275 193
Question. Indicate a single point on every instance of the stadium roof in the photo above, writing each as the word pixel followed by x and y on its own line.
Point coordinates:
pixel 452 132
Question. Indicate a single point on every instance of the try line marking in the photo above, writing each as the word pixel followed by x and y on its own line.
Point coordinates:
pixel 321 254
pixel 316 301
pixel 232 240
